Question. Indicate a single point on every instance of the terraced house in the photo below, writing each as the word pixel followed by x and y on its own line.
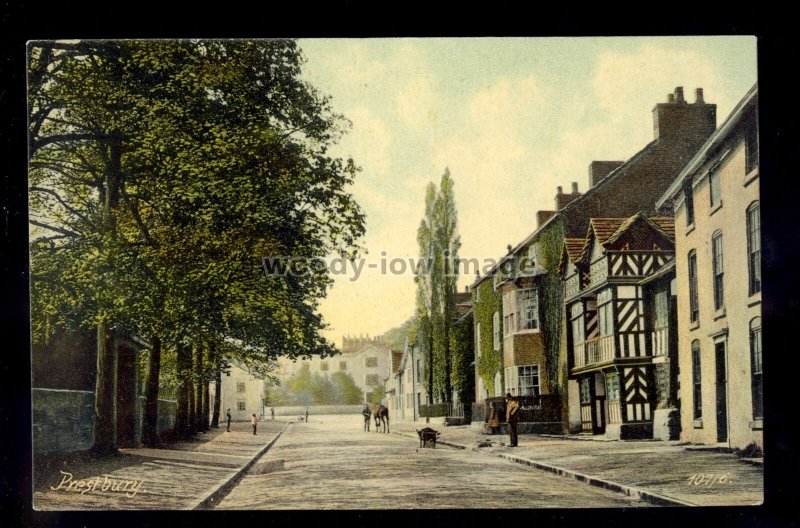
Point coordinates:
pixel 535 352
pixel 718 269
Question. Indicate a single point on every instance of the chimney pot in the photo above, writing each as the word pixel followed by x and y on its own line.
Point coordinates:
pixel 699 96
pixel 509 249
pixel 670 98
pixel 679 94
pixel 574 187
pixel 560 190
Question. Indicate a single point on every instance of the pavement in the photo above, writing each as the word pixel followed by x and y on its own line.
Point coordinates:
pixel 659 472
pixel 181 476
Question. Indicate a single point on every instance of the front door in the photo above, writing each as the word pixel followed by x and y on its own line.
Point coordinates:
pixel 587 414
pixel 722 392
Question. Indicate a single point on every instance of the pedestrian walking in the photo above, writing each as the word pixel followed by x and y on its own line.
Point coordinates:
pixel 254 421
pixel 494 419
pixel 306 414
pixel 367 414
pixel 229 420
pixel 272 411
pixel 512 416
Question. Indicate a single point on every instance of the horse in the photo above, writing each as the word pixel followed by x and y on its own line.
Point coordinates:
pixel 382 417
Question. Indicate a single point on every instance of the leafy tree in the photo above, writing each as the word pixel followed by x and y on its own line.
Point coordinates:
pixel 346 392
pixel 161 173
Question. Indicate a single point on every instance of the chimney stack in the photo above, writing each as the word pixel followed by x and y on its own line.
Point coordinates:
pixel 543 216
pixel 677 119
pixel 509 248
pixel 563 199
pixel 600 169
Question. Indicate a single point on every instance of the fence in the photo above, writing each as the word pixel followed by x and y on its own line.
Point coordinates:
pixel 447 409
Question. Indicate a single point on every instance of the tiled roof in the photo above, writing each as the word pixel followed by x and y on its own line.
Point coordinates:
pixel 397 357
pixel 574 246
pixel 607 230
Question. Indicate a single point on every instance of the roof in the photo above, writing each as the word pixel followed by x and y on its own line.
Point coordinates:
pixel 609 230
pixel 571 251
pixel 719 135
pixel 397 356
pixel 461 297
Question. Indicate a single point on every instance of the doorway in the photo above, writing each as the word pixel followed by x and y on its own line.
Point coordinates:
pixel 722 392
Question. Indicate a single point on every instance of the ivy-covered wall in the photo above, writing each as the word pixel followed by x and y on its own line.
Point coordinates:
pixel 490 362
pixel 551 301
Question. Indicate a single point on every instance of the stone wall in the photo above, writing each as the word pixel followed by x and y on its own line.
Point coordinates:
pixel 62 420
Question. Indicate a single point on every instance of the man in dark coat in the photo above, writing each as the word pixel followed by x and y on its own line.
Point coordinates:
pixel 229 420
pixel 512 417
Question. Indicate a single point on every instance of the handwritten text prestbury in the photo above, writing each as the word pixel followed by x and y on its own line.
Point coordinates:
pixel 129 487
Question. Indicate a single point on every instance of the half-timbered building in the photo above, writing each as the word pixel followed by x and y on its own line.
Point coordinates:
pixel 611 335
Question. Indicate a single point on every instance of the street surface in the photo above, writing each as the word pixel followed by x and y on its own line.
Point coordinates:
pixel 331 463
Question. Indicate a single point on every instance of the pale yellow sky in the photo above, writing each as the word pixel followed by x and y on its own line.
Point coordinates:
pixel 512 118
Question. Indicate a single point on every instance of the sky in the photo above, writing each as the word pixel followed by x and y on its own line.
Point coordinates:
pixel 511 118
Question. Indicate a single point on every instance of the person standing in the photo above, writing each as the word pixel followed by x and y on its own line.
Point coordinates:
pixel 494 419
pixel 229 420
pixel 306 414
pixel 254 421
pixel 272 411
pixel 367 414
pixel 512 416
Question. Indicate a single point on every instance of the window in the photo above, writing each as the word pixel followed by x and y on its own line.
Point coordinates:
pixel 239 386
pixel 606 318
pixel 372 380
pixel 719 290
pixel 528 309
pixel 371 362
pixel 716 193
pixel 343 365
pixel 240 405
pixel 528 380
pixel 697 395
pixel 661 309
pixel 577 330
pixel 498 384
pixel 755 367
pixel 496 331
pixel 586 392
pixel 612 387
pixel 419 371
pixel 694 307
pixel 509 309
pixel 754 247
pixel 323 365
pixel 751 147
pixel 478 293
pixel 687 193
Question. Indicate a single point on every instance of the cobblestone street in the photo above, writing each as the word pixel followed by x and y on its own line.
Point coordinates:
pixel 330 463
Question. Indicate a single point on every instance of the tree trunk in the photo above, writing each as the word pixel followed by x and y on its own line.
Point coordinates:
pixel 150 436
pixel 190 407
pixel 182 416
pixel 105 408
pixel 198 388
pixel 206 395
pixel 217 397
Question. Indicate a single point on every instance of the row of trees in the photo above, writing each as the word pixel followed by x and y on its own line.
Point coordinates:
pixel 161 172
pixel 305 388
pixel 439 242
